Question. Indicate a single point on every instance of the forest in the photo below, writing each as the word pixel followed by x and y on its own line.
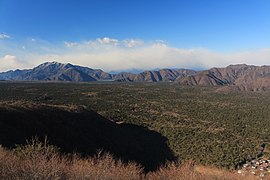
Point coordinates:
pixel 200 123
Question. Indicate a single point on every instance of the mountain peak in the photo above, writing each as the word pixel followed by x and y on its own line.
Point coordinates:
pixel 50 63
pixel 53 65
pixel 237 66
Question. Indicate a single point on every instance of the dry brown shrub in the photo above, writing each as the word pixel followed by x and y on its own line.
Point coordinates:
pixel 42 166
pixel 188 171
pixel 34 167
pixel 104 167
pixel 8 164
pixel 54 166
pixel 176 171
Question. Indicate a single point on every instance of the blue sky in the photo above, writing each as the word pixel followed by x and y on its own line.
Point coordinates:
pixel 223 28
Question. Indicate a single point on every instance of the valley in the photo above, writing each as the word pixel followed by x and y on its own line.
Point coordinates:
pixel 134 90
pixel 224 130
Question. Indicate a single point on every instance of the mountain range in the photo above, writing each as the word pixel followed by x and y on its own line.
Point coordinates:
pixel 54 71
pixel 233 77
pixel 239 77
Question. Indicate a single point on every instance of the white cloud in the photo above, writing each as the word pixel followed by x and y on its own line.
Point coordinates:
pixel 121 55
pixel 132 43
pixel 101 42
pixel 9 62
pixel 157 56
pixel 70 44
pixel 104 43
pixel 93 44
pixel 108 41
pixel 4 36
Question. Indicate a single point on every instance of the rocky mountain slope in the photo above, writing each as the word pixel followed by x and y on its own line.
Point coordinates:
pixel 241 77
pixel 54 71
pixel 237 77
pixel 167 75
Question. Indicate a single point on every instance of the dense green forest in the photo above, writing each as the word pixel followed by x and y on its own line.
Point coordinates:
pixel 210 127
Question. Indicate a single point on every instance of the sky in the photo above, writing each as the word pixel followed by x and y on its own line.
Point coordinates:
pixel 122 35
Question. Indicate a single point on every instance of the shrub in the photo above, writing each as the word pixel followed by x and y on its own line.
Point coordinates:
pixel 35 148
pixel 38 160
pixel 104 167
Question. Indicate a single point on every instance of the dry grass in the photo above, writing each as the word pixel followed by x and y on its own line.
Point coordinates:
pixel 45 163
pixel 38 166
pixel 175 171
pixel 103 167
pixel 188 171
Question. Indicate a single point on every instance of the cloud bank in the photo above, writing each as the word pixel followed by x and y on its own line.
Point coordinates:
pixel 112 54
pixel 9 62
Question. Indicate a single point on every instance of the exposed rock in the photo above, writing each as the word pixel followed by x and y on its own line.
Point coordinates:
pixel 242 77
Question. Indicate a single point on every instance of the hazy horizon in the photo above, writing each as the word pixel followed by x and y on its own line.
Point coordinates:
pixel 134 70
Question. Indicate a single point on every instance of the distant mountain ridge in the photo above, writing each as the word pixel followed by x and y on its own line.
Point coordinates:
pixel 54 71
pixel 239 77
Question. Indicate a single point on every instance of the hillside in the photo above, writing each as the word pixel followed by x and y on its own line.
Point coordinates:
pixel 75 129
pixel 241 77
pixel 54 71
pixel 209 127
pixel 42 161
pixel 164 75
